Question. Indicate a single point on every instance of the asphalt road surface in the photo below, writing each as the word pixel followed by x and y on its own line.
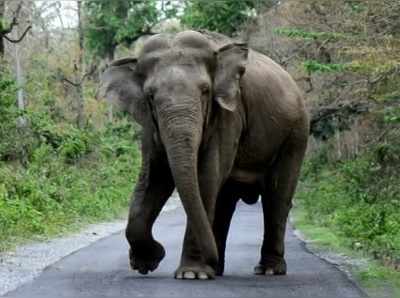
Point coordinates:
pixel 101 270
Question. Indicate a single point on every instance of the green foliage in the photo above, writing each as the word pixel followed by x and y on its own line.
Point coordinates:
pixel 312 66
pixel 356 6
pixel 224 16
pixel 358 199
pixel 392 115
pixel 13 138
pixel 109 23
pixel 76 145
pixel 348 51
pixel 53 175
pixel 57 190
pixel 308 35
pixel 374 277
pixel 1 24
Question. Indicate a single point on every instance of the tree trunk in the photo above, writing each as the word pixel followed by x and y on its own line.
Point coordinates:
pixel 20 79
pixel 109 58
pixel 79 71
pixel 110 55
pixel 110 113
pixel 2 9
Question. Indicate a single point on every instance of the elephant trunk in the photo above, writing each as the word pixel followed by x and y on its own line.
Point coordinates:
pixel 182 140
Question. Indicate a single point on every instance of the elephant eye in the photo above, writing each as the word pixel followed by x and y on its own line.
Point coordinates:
pixel 242 70
pixel 205 89
pixel 150 95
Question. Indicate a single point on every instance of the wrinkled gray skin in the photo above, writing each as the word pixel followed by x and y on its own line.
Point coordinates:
pixel 220 123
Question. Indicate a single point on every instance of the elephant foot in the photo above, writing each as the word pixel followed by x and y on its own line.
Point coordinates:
pixel 201 272
pixel 271 267
pixel 220 268
pixel 146 258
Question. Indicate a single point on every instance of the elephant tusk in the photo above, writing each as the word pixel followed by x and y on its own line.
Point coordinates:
pixel 230 106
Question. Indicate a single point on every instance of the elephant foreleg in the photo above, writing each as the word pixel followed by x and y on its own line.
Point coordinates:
pixel 277 203
pixel 192 265
pixel 154 187
pixel 213 170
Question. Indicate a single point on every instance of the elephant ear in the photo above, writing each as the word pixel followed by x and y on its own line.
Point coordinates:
pixel 230 67
pixel 120 85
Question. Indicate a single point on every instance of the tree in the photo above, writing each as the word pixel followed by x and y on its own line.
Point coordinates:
pixel 2 7
pixel 110 23
pixel 224 16
pixel 78 70
pixel 6 29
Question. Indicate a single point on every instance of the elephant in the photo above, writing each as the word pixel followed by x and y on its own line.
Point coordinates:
pixel 221 122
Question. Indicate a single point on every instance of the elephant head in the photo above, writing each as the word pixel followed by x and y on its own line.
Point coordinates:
pixel 171 88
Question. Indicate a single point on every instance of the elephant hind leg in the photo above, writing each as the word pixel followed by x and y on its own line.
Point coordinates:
pixel 225 207
pixel 277 202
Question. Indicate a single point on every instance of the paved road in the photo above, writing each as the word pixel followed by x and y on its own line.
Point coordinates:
pixel 101 270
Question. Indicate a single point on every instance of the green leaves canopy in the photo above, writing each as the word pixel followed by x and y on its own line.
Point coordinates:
pixel 225 16
pixel 109 23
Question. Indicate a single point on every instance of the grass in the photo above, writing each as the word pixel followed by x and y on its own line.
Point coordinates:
pixel 377 280
pixel 64 187
pixel 56 177
pixel 350 207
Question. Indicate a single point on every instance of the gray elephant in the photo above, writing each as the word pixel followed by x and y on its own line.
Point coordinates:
pixel 219 123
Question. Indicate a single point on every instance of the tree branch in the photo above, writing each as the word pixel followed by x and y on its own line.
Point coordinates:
pixel 64 79
pixel 21 37
pixel 14 21
pixel 320 114
pixel 89 73
pixel 81 80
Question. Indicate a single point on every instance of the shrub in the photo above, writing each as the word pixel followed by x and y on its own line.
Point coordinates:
pixel 54 175
pixel 359 199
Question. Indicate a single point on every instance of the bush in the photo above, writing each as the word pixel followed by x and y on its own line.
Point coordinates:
pixel 224 16
pixel 54 175
pixel 359 199
pixel 56 191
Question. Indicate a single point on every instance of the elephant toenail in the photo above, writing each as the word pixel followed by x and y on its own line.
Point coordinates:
pixel 269 271
pixel 179 275
pixel 202 276
pixel 189 275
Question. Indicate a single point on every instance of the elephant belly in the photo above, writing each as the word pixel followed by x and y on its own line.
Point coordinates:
pixel 246 176
pixel 247 185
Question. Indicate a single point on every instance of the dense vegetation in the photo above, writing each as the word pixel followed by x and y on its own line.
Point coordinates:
pixel 53 174
pixel 359 199
pixel 345 55
pixel 223 16
pixel 111 23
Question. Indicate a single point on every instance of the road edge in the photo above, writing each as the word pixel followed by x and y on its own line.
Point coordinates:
pixel 27 262
pixel 341 262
